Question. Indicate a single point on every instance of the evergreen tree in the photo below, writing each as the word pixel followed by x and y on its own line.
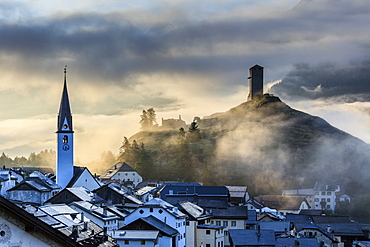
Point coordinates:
pixel 194 132
pixel 148 119
pixel 145 164
pixel 5 160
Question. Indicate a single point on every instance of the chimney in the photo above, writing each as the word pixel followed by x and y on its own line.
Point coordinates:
pixel 105 211
pixel 82 217
pixel 74 234
pixel 328 229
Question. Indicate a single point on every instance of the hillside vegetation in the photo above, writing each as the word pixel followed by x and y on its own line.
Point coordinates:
pixel 263 144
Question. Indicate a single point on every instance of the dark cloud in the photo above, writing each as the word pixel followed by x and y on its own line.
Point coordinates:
pixel 348 83
pixel 108 46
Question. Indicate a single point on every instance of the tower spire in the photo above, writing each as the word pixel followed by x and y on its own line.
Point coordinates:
pixel 65 116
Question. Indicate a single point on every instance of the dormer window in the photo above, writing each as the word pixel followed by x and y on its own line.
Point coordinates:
pixel 65 139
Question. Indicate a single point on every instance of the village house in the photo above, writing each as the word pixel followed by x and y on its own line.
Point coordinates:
pixel 284 204
pixel 116 194
pixel 321 197
pixel 17 226
pixel 102 216
pixel 210 236
pixel 82 177
pixel 234 217
pixel 238 194
pixel 135 238
pixel 196 216
pixel 8 179
pixel 145 193
pixel 68 195
pixel 165 213
pixel 73 224
pixel 35 189
pixel 122 173
pixel 203 196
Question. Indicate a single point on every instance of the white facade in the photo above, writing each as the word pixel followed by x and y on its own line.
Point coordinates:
pixel 128 176
pixel 164 212
pixel 15 235
pixel 8 180
pixel 138 238
pixel 321 197
pixel 209 237
pixel 87 181
pixel 229 224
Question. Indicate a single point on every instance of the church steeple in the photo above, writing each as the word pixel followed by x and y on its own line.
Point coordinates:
pixel 65 156
pixel 65 116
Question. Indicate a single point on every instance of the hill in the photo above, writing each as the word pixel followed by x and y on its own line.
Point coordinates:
pixel 263 144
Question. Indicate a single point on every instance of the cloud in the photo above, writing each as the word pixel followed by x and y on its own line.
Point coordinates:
pixel 184 57
pixel 347 83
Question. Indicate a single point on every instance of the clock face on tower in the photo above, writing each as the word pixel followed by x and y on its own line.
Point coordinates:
pixel 65 147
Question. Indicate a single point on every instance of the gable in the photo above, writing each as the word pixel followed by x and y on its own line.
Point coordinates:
pixel 83 178
pixel 62 197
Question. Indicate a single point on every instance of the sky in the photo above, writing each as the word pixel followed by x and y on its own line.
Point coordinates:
pixel 188 58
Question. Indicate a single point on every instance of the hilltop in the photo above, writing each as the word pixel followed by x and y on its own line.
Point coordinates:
pixel 264 144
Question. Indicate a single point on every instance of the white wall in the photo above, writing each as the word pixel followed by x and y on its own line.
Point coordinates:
pixel 15 236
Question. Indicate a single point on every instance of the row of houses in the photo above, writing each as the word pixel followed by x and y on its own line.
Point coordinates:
pixel 173 214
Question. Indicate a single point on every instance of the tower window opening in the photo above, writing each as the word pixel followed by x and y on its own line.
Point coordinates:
pixel 65 139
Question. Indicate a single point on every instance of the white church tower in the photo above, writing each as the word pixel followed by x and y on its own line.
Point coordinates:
pixel 65 160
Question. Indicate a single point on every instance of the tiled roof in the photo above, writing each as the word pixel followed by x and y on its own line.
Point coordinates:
pixel 277 226
pixel 136 235
pixel 235 212
pixel 119 167
pixel 331 219
pixel 301 242
pixel 344 229
pixel 282 202
pixel 193 210
pixel 252 238
pixel 163 227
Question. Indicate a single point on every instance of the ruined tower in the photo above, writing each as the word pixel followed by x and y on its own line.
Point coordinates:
pixel 65 158
pixel 255 81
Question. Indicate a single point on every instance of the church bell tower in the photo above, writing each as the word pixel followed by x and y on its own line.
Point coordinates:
pixel 65 160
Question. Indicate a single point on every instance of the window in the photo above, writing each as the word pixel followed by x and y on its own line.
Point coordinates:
pixel 187 223
pixel 208 245
pixel 317 193
pixel 328 206
pixel 226 224
pixel 127 242
pixel 323 193
pixel 208 232
pixel 141 211
pixel 160 211
pixel 218 223
pixel 323 199
pixel 151 210
pixel 65 139
pixel 328 200
pixel 233 223
pixel 316 199
pixel 328 193
pixel 142 242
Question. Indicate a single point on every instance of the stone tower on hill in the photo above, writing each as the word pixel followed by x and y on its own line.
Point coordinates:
pixel 255 81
